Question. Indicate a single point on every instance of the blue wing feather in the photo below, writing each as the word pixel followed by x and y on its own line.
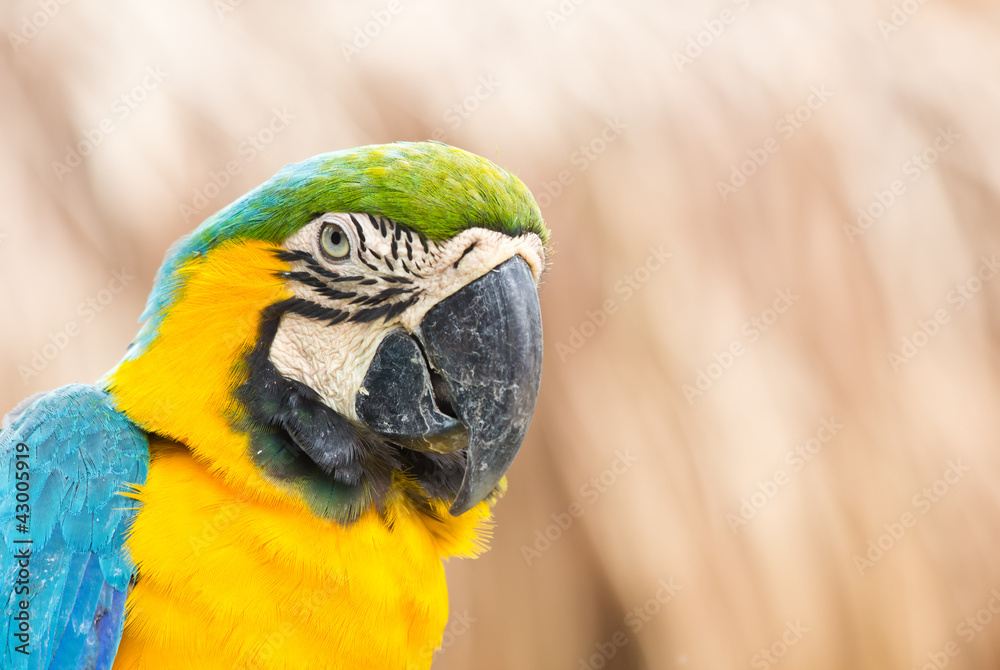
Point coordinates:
pixel 82 454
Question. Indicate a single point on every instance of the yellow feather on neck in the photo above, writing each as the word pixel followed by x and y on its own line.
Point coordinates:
pixel 234 570
pixel 181 387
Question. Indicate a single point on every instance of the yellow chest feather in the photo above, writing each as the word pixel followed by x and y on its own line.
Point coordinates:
pixel 230 582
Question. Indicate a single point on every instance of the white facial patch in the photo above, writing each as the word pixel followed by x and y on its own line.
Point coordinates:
pixel 389 280
pixel 331 360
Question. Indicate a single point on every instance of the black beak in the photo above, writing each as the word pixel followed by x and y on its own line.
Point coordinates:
pixel 483 345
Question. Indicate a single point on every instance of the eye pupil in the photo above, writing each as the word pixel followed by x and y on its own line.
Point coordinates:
pixel 334 242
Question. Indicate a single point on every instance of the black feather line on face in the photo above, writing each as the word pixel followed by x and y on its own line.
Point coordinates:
pixel 295 255
pixel 395 290
pixel 324 272
pixel 292 255
pixel 365 300
pixel 361 233
pixel 382 296
pixel 373 309
pixel 370 313
pixel 401 306
pixel 468 250
pixel 313 311
pixel 349 278
pixel 318 285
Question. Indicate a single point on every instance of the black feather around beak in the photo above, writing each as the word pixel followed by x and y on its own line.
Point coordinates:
pixel 476 389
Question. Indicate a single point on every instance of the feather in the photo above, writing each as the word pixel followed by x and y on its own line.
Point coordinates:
pixel 79 451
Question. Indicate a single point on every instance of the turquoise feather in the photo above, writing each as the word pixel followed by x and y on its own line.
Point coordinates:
pixel 82 453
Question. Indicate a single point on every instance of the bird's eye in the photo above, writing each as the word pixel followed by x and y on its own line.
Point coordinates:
pixel 334 242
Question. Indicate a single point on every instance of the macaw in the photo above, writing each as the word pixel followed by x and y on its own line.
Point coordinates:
pixel 332 376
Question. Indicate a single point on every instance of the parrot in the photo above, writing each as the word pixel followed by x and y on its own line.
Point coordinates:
pixel 329 383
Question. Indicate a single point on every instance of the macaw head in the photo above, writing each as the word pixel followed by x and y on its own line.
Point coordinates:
pixel 364 323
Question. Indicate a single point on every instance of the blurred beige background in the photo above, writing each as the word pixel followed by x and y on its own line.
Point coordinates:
pixel 768 428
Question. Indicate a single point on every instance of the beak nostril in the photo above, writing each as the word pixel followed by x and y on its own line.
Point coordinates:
pixel 439 387
pixel 442 395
